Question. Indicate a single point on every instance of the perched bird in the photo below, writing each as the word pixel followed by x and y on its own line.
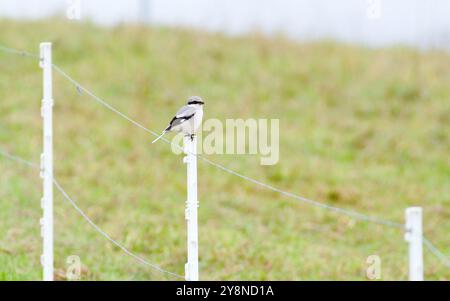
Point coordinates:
pixel 188 119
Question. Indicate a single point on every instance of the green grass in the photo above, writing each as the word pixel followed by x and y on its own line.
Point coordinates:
pixel 362 129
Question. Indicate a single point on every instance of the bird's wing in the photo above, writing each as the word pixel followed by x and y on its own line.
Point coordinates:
pixel 185 112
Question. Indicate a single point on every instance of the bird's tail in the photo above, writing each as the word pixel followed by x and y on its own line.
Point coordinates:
pixel 160 136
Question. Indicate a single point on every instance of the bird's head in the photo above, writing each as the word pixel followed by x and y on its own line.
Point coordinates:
pixel 195 101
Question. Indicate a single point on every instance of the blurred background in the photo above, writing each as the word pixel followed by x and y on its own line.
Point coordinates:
pixel 371 22
pixel 361 89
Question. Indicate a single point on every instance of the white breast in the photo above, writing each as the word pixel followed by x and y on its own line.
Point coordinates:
pixel 197 119
pixel 191 126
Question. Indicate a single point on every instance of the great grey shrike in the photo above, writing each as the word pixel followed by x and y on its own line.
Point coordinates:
pixel 188 119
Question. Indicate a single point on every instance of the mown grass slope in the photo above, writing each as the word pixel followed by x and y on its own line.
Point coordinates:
pixel 361 129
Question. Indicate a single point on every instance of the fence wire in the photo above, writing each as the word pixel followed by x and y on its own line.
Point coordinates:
pixel 430 246
pixel 79 87
pixel 106 235
pixel 356 215
pixel 18 52
pixel 350 213
pixel 436 252
pixel 86 217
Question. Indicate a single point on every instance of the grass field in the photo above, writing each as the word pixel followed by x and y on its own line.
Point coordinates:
pixel 362 129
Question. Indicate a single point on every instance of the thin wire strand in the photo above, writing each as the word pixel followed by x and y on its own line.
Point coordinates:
pixel 18 52
pixel 433 249
pixel 436 252
pixel 84 215
pixel 350 213
pixel 18 159
pixel 104 234
pixel 80 87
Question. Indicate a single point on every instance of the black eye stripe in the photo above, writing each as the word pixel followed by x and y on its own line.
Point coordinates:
pixel 195 102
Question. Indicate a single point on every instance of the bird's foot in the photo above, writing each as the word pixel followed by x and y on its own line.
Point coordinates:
pixel 192 136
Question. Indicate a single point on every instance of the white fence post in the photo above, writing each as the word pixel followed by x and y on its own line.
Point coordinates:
pixel 191 267
pixel 47 161
pixel 414 236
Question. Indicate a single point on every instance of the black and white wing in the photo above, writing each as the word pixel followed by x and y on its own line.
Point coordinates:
pixel 184 114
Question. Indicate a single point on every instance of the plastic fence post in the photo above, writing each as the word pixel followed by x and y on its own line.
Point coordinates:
pixel 47 161
pixel 191 267
pixel 414 237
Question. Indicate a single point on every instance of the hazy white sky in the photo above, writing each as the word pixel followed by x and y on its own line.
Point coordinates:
pixel 422 23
